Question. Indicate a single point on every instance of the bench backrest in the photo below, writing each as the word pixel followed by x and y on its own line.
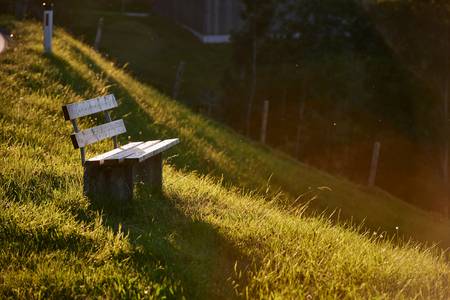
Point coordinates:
pixel 82 138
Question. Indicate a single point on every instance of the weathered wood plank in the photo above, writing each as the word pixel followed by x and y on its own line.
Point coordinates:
pixel 96 134
pixel 120 157
pixel 142 155
pixel 89 107
pixel 108 119
pixel 100 159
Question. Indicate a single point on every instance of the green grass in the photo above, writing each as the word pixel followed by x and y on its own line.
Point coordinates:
pixel 206 235
pixel 153 47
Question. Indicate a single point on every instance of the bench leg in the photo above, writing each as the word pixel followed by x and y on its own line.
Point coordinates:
pixel 117 182
pixel 149 172
pixel 109 182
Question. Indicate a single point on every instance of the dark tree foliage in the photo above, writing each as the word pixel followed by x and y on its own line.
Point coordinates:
pixel 418 32
pixel 329 59
pixel 298 40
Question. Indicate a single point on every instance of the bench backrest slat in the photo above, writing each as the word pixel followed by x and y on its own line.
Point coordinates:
pixel 89 107
pixel 98 133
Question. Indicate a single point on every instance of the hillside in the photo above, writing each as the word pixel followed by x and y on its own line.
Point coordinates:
pixel 206 235
pixel 160 45
pixel 158 48
pixel 363 103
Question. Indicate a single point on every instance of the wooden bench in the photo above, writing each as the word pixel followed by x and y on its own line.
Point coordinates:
pixel 113 174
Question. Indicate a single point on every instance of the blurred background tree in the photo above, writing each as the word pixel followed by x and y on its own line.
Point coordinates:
pixel 336 86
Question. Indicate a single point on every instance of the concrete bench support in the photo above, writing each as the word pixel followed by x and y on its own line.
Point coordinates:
pixel 117 182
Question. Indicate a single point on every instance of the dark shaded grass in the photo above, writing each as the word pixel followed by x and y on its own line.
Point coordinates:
pixel 192 251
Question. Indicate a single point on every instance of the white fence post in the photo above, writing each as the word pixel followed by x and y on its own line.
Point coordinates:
pixel 48 27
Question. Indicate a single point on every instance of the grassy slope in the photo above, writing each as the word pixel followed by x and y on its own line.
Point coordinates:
pixel 158 47
pixel 202 237
pixel 213 149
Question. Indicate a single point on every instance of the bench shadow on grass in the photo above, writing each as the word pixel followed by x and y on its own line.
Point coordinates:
pixel 193 252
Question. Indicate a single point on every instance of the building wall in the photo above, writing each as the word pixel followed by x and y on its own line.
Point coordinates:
pixel 205 17
pixel 190 13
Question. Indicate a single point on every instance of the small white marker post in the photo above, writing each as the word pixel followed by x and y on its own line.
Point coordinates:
pixel 265 116
pixel 48 27
pixel 374 164
pixel 98 37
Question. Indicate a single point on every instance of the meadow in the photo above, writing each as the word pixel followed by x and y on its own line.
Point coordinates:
pixel 234 220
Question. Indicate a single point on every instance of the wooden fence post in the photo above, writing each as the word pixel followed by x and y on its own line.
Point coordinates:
pixel 299 129
pixel 178 79
pixel 251 98
pixel 265 117
pixel 374 164
pixel 98 37
pixel 211 103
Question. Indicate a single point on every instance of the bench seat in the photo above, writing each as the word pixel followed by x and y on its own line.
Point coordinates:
pixel 132 152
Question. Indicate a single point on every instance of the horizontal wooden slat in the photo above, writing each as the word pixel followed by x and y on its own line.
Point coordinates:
pixel 99 159
pixel 96 134
pixel 142 155
pixel 89 107
pixel 120 157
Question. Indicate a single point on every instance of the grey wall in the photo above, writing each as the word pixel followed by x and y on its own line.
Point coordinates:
pixel 207 17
